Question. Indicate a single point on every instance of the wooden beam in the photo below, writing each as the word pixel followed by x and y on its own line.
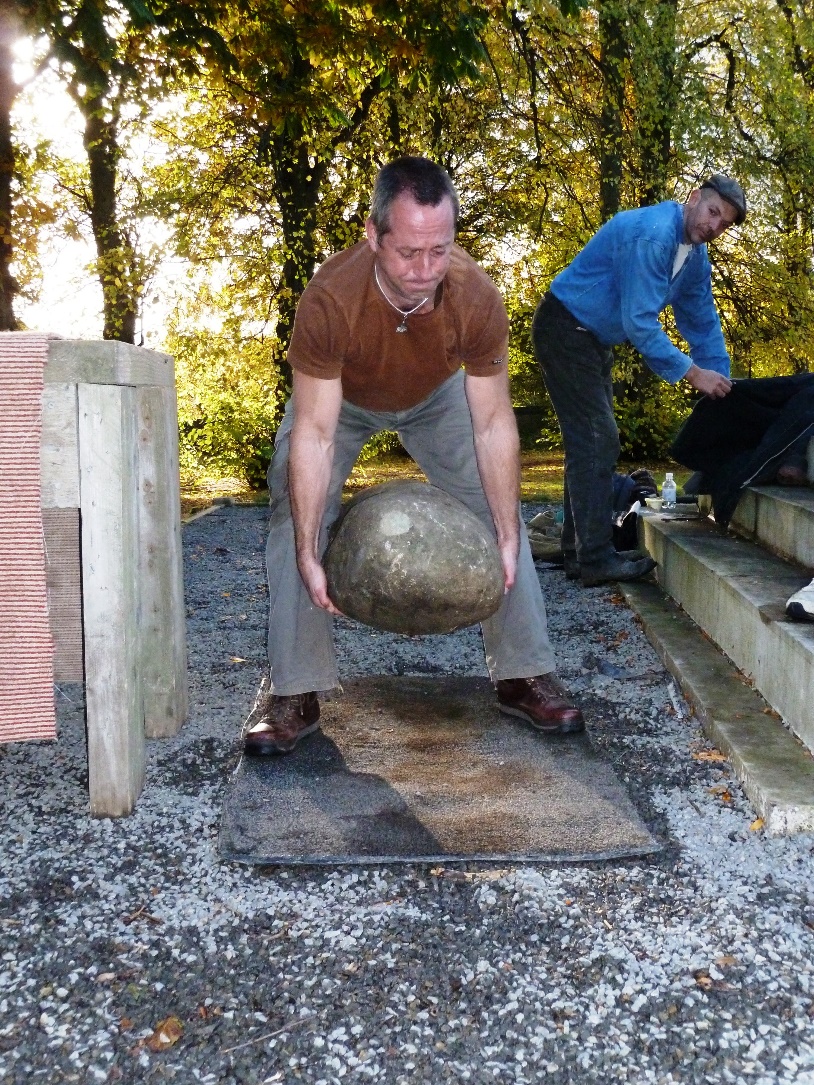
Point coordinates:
pixel 107 362
pixel 108 470
pixel 59 448
pixel 163 651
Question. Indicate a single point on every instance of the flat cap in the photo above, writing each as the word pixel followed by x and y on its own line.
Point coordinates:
pixel 728 189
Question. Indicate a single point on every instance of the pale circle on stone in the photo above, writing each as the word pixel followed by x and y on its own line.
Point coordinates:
pixel 395 523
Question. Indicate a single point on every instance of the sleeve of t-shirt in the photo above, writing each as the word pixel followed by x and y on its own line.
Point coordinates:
pixel 319 341
pixel 484 349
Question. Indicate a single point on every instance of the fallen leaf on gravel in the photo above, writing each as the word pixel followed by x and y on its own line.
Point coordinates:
pixel 722 792
pixel 726 962
pixel 125 1024
pixel 167 1033
pixel 757 824
pixel 226 594
pixel 703 979
pixel 237 659
pixel 709 755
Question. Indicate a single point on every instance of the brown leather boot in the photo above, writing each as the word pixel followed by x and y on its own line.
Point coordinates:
pixel 276 724
pixel 541 702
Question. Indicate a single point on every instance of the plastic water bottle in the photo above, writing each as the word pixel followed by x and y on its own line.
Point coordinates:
pixel 668 492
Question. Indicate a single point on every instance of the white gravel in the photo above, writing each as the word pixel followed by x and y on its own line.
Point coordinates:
pixel 695 967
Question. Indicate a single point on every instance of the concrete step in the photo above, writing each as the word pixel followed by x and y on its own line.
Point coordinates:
pixel 780 518
pixel 776 771
pixel 737 592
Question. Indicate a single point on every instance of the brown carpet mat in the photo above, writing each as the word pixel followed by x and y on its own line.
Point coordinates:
pixel 424 769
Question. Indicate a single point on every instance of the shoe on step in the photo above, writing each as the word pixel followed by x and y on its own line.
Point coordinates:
pixel 615 569
pixel 800 606
pixel 571 566
pixel 276 724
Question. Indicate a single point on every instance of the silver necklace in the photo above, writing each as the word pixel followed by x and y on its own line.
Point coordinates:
pixel 402 327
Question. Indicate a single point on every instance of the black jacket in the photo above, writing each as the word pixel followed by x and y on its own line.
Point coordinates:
pixel 741 439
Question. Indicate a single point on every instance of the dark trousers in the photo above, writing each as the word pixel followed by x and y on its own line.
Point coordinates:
pixel 576 369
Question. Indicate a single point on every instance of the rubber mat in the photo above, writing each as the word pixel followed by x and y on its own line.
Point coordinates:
pixel 422 769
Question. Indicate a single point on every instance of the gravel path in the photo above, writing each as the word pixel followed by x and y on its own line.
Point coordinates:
pixel 131 953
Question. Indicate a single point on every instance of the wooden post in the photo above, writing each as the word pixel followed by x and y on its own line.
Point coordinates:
pixel 108 471
pixel 163 656
pixel 109 454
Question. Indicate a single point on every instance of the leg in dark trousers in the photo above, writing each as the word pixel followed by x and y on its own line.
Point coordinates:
pixel 576 369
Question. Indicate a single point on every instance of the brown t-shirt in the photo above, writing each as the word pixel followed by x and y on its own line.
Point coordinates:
pixel 345 328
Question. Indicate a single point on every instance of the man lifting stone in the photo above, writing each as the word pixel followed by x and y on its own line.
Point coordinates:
pixel 403 331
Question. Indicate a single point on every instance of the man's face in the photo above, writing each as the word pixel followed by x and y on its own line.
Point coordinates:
pixel 706 216
pixel 413 256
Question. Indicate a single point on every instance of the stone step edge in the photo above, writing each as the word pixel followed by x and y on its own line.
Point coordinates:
pixel 775 770
pixel 752 630
pixel 786 530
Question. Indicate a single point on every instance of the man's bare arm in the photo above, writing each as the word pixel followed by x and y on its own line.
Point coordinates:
pixel 497 448
pixel 709 381
pixel 317 404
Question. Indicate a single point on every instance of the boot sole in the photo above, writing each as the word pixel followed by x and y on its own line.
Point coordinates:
pixel 567 727
pixel 574 573
pixel 594 582
pixel 273 749
pixel 798 613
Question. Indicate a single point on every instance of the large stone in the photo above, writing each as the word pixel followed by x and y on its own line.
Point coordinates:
pixel 408 558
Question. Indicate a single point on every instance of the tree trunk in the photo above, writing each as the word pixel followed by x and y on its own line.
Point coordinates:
pixel 115 256
pixel 654 69
pixel 612 53
pixel 796 243
pixel 297 186
pixel 8 90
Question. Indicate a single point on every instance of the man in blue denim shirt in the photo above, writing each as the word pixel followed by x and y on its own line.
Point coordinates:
pixel 613 291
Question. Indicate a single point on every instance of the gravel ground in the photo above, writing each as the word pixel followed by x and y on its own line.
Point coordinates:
pixel 131 953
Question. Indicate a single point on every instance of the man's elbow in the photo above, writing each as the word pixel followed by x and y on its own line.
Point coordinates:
pixel 500 429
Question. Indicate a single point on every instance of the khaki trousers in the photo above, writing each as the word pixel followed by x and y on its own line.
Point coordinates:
pixel 438 435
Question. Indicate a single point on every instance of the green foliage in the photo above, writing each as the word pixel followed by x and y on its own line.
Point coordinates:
pixel 36 211
pixel 276 114
pixel 228 401
pixel 648 410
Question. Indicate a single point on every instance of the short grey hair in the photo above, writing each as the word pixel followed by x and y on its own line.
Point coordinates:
pixel 424 180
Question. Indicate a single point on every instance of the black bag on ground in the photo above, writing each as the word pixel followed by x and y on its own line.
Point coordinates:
pixel 628 490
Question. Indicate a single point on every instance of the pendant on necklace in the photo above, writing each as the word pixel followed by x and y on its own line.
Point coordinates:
pixel 402 327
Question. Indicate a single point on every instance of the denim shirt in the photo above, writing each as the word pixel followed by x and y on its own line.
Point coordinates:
pixel 617 286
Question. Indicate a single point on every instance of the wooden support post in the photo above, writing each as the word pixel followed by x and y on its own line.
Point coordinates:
pixel 163 655
pixel 108 470
pixel 59 448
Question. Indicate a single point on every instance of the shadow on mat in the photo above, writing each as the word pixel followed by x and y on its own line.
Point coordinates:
pixel 305 805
